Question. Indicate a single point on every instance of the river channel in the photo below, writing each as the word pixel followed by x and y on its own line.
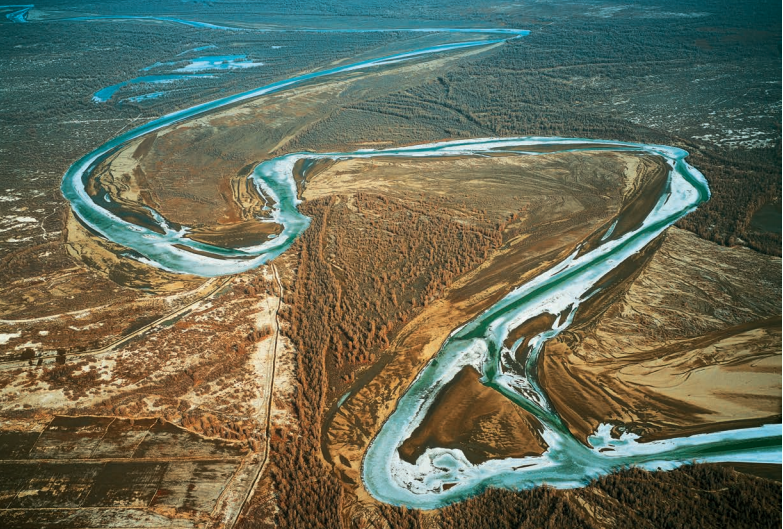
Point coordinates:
pixel 442 476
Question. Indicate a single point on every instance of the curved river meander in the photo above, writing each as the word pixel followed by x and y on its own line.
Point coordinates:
pixel 442 476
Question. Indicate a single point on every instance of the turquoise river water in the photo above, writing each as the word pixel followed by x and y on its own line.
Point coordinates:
pixel 442 476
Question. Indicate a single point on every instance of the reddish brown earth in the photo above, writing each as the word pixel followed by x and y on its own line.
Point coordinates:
pixel 476 419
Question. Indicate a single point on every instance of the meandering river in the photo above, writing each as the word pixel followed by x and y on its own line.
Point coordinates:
pixel 441 476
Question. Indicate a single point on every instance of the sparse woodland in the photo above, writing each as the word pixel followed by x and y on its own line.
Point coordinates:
pixel 370 263
pixel 340 322
pixel 362 274
pixel 692 496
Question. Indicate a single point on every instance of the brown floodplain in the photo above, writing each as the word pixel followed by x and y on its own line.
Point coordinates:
pixel 543 207
pixel 528 329
pixel 308 168
pixel 123 195
pixel 204 253
pixel 238 235
pixel 645 184
pixel 610 288
pixel 111 260
pixel 643 196
pixel 476 419
pixel 662 354
pixel 195 173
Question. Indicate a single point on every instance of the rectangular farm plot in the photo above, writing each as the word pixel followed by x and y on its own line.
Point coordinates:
pixel 13 477
pixel 194 485
pixel 126 484
pixel 165 440
pixel 93 518
pixel 16 445
pixel 116 469
pixel 122 438
pixel 70 438
pixel 49 485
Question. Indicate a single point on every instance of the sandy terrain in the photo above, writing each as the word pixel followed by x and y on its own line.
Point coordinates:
pixel 478 420
pixel 545 231
pixel 695 342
